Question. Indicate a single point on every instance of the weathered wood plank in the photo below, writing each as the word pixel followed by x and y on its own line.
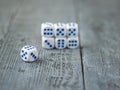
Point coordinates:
pixel 55 69
pixel 100 39
pixel 7 12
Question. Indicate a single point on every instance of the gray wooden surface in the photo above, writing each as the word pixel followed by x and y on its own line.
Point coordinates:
pixel 95 65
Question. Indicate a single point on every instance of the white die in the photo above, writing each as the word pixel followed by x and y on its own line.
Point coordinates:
pixel 29 53
pixel 72 42
pixel 60 43
pixel 72 29
pixel 47 29
pixel 60 30
pixel 47 42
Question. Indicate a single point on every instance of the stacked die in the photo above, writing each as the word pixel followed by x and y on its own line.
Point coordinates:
pixel 59 35
pixel 72 34
pixel 47 35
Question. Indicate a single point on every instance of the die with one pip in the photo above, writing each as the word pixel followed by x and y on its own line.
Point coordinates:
pixel 72 29
pixel 60 30
pixel 48 42
pixel 29 53
pixel 72 42
pixel 47 29
pixel 60 43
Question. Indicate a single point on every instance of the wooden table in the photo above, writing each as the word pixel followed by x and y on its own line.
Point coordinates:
pixel 95 65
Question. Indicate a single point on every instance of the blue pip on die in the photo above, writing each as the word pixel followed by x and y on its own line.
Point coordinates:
pixel 47 29
pixel 29 53
pixel 60 43
pixel 72 29
pixel 72 42
pixel 47 42
pixel 60 30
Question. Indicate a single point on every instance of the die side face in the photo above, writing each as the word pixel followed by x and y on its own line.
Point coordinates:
pixel 47 30
pixel 60 43
pixel 60 30
pixel 29 53
pixel 72 43
pixel 33 55
pixel 24 55
pixel 48 43
pixel 72 30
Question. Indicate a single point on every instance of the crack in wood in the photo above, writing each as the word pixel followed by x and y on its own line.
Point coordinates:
pixel 76 7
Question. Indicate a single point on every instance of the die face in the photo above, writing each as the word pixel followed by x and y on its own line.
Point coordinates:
pixel 47 29
pixel 72 30
pixel 72 42
pixel 33 55
pixel 26 53
pixel 60 43
pixel 60 30
pixel 47 43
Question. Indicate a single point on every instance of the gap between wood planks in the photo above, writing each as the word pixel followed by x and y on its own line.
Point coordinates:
pixel 76 7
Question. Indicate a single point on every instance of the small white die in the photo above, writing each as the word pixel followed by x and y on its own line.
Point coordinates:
pixel 47 29
pixel 29 53
pixel 72 30
pixel 60 30
pixel 72 42
pixel 60 43
pixel 47 43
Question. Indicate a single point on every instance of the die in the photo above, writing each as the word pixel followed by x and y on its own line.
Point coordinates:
pixel 60 30
pixel 72 42
pixel 47 29
pixel 47 42
pixel 29 53
pixel 72 29
pixel 60 43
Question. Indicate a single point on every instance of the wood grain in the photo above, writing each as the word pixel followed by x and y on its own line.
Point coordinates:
pixel 55 69
pixel 7 13
pixel 100 40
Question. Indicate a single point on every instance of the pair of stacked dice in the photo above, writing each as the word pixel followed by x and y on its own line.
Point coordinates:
pixel 59 35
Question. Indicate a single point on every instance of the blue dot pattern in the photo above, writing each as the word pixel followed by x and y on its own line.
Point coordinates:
pixel 61 43
pixel 24 54
pixel 29 47
pixel 72 31
pixel 72 43
pixel 33 55
pixel 48 44
pixel 60 32
pixel 48 32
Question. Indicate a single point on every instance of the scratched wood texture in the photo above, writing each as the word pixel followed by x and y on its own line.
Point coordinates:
pixel 20 23
pixel 100 43
pixel 93 66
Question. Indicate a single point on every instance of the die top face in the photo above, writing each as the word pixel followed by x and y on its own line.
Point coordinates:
pixel 60 43
pixel 59 25
pixel 72 30
pixel 72 25
pixel 48 43
pixel 29 47
pixel 26 53
pixel 72 42
pixel 60 29
pixel 47 29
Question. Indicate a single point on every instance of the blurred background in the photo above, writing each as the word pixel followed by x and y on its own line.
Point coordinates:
pixel 95 65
